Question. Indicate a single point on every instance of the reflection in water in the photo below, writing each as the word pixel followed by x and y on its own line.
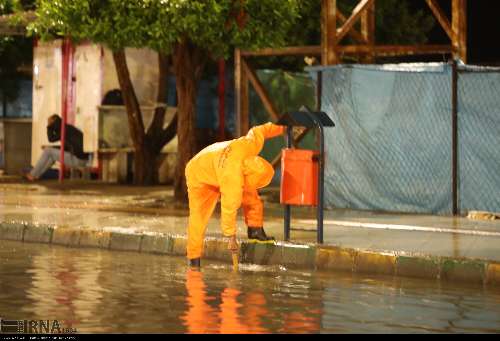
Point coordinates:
pixel 229 318
pixel 99 291
pixel 64 285
pixel 243 312
pixel 200 316
pixel 255 311
pixel 297 322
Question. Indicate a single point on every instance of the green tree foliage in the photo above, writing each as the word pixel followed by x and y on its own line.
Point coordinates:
pixel 191 31
pixel 212 25
pixel 12 6
pixel 397 22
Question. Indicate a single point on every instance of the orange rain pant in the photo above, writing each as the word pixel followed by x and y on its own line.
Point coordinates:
pixel 202 202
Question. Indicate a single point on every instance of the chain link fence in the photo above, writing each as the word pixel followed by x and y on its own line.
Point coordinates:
pixel 479 138
pixel 393 147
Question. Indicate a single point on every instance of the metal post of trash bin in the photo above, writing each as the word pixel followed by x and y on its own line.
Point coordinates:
pixel 308 119
pixel 288 208
pixel 321 180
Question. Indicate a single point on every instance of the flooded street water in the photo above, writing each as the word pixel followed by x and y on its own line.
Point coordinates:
pixel 98 291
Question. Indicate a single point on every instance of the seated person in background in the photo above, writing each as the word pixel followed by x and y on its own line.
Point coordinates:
pixel 73 149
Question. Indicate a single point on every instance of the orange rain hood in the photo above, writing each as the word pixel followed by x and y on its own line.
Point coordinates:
pixel 257 171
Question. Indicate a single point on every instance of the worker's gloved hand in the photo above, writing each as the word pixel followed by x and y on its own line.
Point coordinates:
pixel 233 244
pixel 258 233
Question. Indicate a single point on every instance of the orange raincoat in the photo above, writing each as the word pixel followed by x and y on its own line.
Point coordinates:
pixel 234 171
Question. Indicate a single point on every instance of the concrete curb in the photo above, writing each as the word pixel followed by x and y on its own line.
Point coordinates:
pixel 296 256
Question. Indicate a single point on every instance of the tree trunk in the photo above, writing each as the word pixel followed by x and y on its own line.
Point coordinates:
pixel 189 62
pixel 134 114
pixel 157 136
pixel 145 167
pixel 148 146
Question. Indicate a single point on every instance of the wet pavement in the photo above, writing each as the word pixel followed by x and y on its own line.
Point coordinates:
pixel 153 209
pixel 99 291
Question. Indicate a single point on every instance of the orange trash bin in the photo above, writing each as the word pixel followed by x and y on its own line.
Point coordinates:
pixel 299 177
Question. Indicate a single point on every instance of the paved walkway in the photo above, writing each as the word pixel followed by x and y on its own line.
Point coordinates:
pixel 349 235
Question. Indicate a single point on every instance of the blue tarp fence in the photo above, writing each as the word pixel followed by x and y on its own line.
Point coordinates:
pixel 391 149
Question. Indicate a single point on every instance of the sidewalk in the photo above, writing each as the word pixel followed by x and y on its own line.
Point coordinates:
pixel 147 219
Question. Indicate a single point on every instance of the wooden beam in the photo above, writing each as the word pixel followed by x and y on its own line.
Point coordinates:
pixel 328 32
pixel 9 26
pixel 353 33
pixel 286 51
pixel 385 50
pixel 459 27
pixel 368 32
pixel 441 18
pixel 260 90
pixel 241 94
pixel 356 14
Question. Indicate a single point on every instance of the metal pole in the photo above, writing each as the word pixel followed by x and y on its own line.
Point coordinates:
pixel 64 104
pixel 321 177
pixel 454 137
pixel 289 139
pixel 222 94
pixel 319 90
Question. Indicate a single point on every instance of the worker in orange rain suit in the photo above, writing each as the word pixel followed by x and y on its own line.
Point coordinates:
pixel 234 171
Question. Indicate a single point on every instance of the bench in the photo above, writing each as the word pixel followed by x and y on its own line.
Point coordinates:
pixel 114 164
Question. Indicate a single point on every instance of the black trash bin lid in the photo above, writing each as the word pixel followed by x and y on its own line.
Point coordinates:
pixel 308 119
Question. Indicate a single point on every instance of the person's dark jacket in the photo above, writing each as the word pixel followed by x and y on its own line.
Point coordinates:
pixel 74 138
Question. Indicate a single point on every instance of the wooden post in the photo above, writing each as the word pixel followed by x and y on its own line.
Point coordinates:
pixel 329 32
pixel 459 28
pixel 241 94
pixel 368 32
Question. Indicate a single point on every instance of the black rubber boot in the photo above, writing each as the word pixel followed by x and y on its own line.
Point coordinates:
pixel 195 262
pixel 258 233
